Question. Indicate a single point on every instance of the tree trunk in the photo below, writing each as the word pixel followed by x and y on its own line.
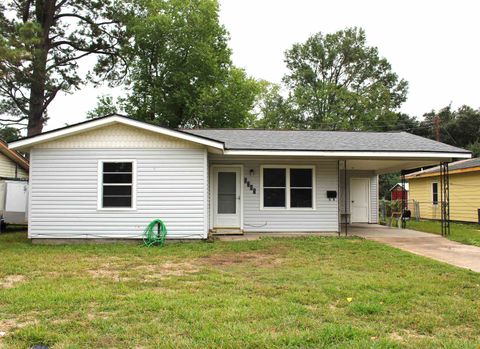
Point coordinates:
pixel 44 13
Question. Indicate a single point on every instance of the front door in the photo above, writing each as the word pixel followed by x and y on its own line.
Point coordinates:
pixel 359 199
pixel 226 197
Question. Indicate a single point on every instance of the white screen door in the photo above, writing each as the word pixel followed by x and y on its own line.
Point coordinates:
pixel 359 199
pixel 226 190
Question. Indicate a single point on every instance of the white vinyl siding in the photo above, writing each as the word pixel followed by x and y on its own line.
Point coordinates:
pixel 171 185
pixel 324 217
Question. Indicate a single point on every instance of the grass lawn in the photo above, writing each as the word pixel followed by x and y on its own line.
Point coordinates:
pixel 465 233
pixel 306 292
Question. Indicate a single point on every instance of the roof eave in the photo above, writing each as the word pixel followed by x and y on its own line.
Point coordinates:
pixel 447 156
pixel 427 174
pixel 14 156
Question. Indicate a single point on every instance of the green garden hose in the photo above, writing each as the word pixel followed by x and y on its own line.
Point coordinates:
pixel 155 233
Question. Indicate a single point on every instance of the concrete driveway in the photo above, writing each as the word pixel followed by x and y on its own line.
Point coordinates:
pixel 424 244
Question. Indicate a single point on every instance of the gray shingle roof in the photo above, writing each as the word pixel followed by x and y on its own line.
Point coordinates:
pixel 242 139
pixel 456 165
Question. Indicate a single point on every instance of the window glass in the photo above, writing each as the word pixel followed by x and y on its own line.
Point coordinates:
pixel 227 192
pixel 116 190
pixel 274 187
pixel 274 177
pixel 117 182
pixel 301 198
pixel 117 178
pixel 117 167
pixel 301 177
pixel 274 197
pixel 301 187
pixel 117 201
pixel 435 193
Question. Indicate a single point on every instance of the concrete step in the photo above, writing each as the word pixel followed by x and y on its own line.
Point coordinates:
pixel 226 231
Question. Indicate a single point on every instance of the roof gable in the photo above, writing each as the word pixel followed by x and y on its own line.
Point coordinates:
pixel 400 186
pixel 118 136
pixel 90 125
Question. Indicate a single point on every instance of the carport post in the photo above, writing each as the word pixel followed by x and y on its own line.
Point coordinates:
pixel 445 198
pixel 404 200
pixel 343 217
pixel 345 195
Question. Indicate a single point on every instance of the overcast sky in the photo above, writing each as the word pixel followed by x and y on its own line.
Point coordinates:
pixel 434 45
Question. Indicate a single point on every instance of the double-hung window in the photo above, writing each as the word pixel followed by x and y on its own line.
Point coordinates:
pixel 435 193
pixel 117 184
pixel 274 187
pixel 288 187
pixel 301 187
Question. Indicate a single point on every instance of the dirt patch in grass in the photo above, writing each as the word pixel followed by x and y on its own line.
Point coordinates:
pixel 7 326
pixel 109 273
pixel 168 269
pixel 103 315
pixel 396 337
pixel 148 271
pixel 11 281
pixel 257 259
pixel 407 335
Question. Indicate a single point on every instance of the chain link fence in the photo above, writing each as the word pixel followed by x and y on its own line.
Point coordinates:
pixel 390 211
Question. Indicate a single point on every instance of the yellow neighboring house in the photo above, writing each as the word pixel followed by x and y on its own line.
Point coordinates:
pixel 464 191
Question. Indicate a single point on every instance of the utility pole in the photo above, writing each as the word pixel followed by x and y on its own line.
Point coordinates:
pixel 436 127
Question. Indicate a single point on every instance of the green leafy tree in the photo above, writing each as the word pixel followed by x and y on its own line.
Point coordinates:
pixel 275 111
pixel 9 134
pixel 106 105
pixel 229 103
pixel 463 129
pixel 385 183
pixel 41 43
pixel 181 74
pixel 428 126
pixel 337 82
pixel 460 128
pixel 475 149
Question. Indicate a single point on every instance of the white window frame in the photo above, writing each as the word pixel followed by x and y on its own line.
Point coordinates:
pixel 100 186
pixel 287 188
pixel 438 193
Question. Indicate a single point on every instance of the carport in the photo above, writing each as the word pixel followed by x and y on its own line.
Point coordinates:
pixel 354 170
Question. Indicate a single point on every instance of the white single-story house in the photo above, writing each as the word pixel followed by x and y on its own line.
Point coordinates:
pixel 109 177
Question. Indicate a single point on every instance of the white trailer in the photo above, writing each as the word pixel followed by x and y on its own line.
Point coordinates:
pixel 13 202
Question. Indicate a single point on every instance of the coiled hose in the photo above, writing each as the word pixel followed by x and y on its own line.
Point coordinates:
pixel 155 233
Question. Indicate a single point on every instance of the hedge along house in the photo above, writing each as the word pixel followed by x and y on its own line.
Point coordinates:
pixel 109 177
pixel 464 175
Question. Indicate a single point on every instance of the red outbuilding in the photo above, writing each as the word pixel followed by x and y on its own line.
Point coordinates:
pixel 396 192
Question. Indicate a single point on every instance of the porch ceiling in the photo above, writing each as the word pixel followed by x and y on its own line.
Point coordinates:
pixel 382 166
